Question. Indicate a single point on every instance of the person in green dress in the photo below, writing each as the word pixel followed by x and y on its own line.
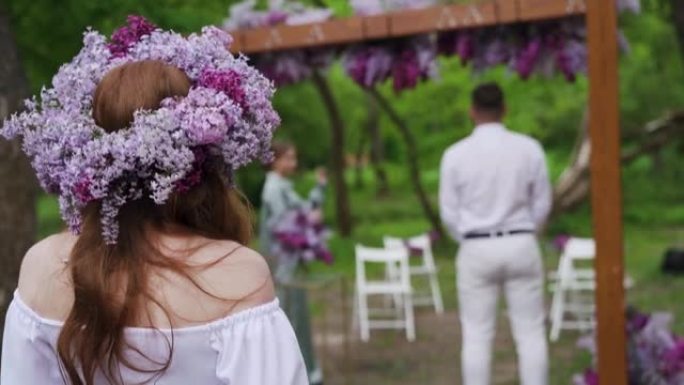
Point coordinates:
pixel 278 198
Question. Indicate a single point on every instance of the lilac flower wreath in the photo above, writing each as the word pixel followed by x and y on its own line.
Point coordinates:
pixel 227 116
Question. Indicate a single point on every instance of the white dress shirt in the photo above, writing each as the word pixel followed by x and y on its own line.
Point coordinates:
pixel 494 180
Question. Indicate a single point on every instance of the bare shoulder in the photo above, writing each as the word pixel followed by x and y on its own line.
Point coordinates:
pixel 239 272
pixel 44 283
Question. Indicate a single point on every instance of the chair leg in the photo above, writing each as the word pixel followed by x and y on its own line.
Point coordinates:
pixel 392 273
pixel 436 293
pixel 363 316
pixel 409 318
pixel 355 311
pixel 558 311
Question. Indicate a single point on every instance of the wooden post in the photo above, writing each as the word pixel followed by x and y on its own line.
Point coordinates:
pixel 606 190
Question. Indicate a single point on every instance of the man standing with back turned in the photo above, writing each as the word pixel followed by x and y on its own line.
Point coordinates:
pixel 494 196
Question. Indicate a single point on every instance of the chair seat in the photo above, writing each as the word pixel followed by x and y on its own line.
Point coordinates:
pixel 384 288
pixel 577 273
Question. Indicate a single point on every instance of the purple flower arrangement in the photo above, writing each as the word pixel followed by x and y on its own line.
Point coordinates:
pixel 545 48
pixel 245 15
pixel 406 61
pixel 227 118
pixel 375 7
pixel 125 37
pixel 560 241
pixel 655 353
pixel 302 234
pixel 289 67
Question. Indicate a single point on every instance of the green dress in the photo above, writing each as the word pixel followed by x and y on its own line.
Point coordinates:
pixel 279 197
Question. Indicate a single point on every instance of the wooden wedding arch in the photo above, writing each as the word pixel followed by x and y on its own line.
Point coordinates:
pixel 606 189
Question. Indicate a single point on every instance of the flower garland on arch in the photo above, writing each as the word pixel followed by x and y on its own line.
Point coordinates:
pixel 546 48
pixel 288 67
pixel 226 119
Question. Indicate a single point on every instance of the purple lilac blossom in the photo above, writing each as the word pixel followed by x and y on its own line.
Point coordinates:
pixel 375 7
pixel 460 43
pixel 655 353
pixel 527 58
pixel 227 115
pixel 406 61
pixel 244 15
pixel 368 65
pixel 228 82
pixel 301 234
pixel 633 6
pixel 290 67
pixel 128 35
pixel 560 241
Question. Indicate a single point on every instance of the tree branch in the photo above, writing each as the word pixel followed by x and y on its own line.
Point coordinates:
pixel 412 155
pixel 343 215
pixel 572 187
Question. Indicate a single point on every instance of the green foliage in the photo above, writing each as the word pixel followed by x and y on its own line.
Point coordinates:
pixel 649 71
pixel 49 32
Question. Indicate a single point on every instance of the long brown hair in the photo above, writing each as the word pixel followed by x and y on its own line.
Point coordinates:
pixel 111 281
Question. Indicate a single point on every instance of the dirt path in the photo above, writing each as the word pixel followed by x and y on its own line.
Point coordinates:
pixel 433 359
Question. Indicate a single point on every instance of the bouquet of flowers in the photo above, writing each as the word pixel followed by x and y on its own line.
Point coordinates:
pixel 655 353
pixel 302 233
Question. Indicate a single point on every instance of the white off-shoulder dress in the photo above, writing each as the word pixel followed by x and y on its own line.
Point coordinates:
pixel 253 347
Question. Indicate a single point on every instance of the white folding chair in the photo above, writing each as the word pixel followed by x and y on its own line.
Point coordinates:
pixel 573 288
pixel 397 285
pixel 427 268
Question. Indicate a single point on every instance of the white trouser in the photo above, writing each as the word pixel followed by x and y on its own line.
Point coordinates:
pixel 484 266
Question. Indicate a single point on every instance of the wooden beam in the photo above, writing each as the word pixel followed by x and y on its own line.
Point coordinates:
pixel 376 27
pixel 238 44
pixel 444 18
pixel 606 190
pixel 532 10
pixel 404 23
pixel 507 11
pixel 283 37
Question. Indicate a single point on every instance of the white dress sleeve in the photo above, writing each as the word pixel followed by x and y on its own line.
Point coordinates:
pixel 28 356
pixel 254 347
pixel 259 350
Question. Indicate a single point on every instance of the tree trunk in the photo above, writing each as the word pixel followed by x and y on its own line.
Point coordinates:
pixel 17 185
pixel 358 159
pixel 377 155
pixel 412 155
pixel 337 148
pixel 572 187
pixel 677 8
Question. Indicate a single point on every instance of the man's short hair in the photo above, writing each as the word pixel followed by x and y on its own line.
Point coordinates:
pixel 488 98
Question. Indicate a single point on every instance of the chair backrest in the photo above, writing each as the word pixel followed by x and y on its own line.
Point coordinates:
pixel 421 242
pixel 578 252
pixel 396 255
pixel 393 242
pixel 580 248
